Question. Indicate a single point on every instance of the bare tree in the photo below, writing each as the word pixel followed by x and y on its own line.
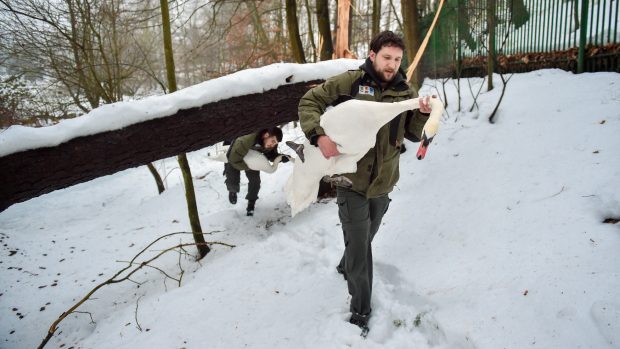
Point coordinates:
pixel 310 31
pixel 77 44
pixel 411 31
pixel 325 33
pixel 260 31
pixel 491 22
pixel 293 31
pixel 190 195
pixel 376 17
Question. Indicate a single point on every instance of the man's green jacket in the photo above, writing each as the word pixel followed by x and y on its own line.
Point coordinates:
pixel 242 145
pixel 377 172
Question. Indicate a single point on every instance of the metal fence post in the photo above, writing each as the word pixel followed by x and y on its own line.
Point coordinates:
pixel 583 29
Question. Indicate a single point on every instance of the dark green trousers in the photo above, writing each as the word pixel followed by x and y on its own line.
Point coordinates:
pixel 233 178
pixel 360 218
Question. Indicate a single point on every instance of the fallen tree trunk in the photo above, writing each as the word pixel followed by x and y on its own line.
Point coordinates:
pixel 31 173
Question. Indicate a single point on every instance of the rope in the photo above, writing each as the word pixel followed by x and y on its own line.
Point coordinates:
pixel 422 47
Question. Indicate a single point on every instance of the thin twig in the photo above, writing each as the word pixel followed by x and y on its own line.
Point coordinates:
pixel 552 196
pixel 477 94
pixel 504 83
pixel 136 314
pixel 181 267
pixel 135 282
pixel 114 279
pixel 156 268
pixel 89 314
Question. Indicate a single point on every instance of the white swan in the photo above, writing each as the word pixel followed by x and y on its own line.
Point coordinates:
pixel 257 161
pixel 254 159
pixel 353 126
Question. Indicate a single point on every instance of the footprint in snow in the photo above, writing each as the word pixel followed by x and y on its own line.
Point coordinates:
pixel 397 307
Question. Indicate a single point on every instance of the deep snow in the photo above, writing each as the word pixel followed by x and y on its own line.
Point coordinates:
pixel 494 240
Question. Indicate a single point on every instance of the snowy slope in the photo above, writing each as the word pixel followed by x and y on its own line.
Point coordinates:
pixel 495 240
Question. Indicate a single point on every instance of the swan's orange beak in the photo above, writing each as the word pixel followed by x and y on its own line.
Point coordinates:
pixel 423 146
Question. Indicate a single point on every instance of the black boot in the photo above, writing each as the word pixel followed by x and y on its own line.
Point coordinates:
pixel 340 270
pixel 250 209
pixel 360 321
pixel 232 197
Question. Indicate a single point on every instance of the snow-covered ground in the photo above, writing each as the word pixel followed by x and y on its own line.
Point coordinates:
pixel 495 240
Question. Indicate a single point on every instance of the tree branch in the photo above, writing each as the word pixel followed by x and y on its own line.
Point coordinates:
pixel 116 279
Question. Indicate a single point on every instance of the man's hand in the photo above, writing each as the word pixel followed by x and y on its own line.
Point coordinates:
pixel 327 146
pixel 425 104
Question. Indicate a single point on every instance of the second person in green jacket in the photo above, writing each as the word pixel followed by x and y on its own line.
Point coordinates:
pixel 266 142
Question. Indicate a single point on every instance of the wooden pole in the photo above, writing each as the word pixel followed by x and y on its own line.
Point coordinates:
pixel 418 54
pixel 342 33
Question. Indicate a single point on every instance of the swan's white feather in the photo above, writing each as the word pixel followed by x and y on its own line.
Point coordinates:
pixel 353 126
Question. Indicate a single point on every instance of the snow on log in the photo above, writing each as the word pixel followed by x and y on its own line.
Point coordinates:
pixel 30 173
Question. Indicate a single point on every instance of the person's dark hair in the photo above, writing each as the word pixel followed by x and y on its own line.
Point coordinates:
pixel 274 131
pixel 386 38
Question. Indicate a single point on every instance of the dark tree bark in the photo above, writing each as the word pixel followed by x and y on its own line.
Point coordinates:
pixel 310 30
pixel 491 21
pixel 158 181
pixel 325 32
pixel 293 32
pixel 376 17
pixel 31 173
pixel 411 29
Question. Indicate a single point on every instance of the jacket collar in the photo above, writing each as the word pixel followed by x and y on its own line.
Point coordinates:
pixel 398 83
pixel 258 140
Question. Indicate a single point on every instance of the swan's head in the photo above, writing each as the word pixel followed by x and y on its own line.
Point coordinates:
pixel 279 158
pixel 430 127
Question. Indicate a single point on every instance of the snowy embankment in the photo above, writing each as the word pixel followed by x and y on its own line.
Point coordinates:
pixel 495 240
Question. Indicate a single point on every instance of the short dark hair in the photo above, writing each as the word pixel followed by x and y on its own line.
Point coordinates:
pixel 386 38
pixel 274 131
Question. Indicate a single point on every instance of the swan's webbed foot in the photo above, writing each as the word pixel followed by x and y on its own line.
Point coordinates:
pixel 298 148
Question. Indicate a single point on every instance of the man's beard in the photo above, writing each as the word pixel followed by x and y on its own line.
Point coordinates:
pixel 381 74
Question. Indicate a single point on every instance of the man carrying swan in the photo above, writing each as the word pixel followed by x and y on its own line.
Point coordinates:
pixel 264 142
pixel 363 196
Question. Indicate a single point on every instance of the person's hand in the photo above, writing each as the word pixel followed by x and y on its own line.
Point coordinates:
pixel 327 146
pixel 425 104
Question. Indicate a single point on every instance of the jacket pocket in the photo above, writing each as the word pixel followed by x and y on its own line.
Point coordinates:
pixel 352 207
